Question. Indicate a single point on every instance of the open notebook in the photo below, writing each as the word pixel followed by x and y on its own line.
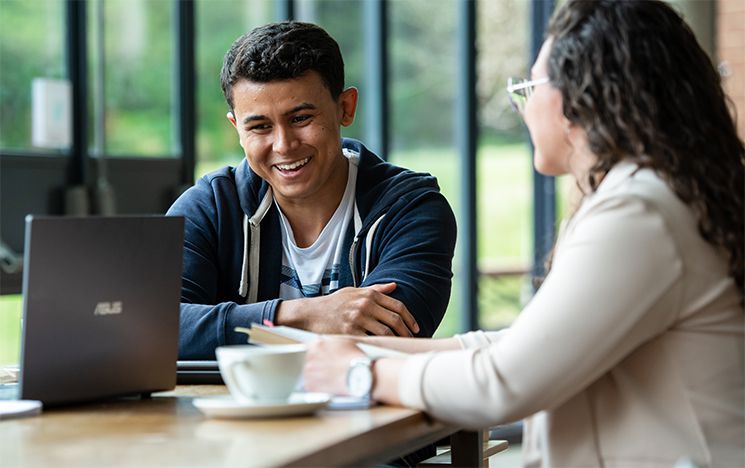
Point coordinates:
pixel 271 335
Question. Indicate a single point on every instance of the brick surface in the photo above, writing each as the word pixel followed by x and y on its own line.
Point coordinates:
pixel 730 6
pixel 731 49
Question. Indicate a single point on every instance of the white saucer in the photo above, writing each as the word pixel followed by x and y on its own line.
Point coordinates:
pixel 227 407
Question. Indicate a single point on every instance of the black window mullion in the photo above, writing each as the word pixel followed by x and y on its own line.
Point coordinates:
pixel 467 136
pixel 186 108
pixel 376 95
pixel 285 9
pixel 78 173
pixel 544 187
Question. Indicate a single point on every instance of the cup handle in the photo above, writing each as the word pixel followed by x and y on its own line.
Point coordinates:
pixel 236 382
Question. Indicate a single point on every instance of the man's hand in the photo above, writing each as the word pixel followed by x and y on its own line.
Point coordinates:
pixel 350 311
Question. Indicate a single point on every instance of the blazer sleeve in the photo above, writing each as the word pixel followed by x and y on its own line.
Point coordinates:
pixel 210 307
pixel 600 301
pixel 414 249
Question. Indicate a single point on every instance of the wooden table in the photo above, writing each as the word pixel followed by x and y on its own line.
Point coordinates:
pixel 167 430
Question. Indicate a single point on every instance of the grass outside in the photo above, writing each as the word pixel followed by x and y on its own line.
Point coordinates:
pixel 10 328
pixel 504 210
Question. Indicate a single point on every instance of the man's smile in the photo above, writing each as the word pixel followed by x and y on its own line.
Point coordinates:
pixel 293 165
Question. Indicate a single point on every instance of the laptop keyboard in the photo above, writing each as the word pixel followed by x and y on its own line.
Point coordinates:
pixel 198 372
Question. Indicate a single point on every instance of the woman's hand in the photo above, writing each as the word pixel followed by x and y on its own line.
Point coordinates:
pixel 326 364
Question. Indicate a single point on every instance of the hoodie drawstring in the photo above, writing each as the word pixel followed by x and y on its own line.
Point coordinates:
pixel 368 246
pixel 249 287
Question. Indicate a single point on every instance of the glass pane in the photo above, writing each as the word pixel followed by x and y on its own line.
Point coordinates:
pixel 423 64
pixel 218 24
pixel 505 180
pixel 342 19
pixel 131 77
pixel 31 46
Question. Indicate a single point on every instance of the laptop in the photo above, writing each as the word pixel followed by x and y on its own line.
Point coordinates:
pixel 100 307
pixel 198 373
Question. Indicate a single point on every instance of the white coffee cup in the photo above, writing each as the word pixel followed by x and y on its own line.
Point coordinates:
pixel 261 373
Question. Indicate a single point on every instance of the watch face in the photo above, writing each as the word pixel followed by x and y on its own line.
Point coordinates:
pixel 359 380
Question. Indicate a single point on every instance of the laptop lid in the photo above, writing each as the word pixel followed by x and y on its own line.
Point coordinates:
pixel 100 306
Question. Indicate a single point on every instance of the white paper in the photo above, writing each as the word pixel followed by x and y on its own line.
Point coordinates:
pixel 19 408
pixel 345 402
pixel 51 110
pixel 304 336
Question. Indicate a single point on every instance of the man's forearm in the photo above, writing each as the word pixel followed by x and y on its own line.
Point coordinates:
pixel 292 313
pixel 349 311
pixel 204 327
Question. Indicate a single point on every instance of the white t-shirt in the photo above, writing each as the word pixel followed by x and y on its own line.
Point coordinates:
pixel 314 271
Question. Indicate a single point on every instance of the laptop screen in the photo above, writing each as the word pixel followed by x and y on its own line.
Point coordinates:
pixel 100 306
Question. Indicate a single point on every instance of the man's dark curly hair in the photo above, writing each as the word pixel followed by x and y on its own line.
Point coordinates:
pixel 282 51
pixel 632 75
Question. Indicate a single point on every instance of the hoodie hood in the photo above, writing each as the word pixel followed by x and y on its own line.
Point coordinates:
pixel 384 185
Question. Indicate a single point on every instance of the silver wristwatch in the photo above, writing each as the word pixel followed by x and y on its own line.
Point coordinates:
pixel 360 377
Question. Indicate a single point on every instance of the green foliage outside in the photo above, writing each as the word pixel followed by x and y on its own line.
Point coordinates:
pixel 26 52
pixel 138 104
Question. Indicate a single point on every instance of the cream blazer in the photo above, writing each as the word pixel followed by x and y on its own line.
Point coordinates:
pixel 630 355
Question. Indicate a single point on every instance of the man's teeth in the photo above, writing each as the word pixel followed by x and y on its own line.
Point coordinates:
pixel 295 165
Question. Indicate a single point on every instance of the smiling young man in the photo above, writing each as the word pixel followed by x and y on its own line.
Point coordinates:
pixel 311 230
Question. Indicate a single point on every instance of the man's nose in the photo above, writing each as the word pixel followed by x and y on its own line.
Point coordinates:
pixel 285 140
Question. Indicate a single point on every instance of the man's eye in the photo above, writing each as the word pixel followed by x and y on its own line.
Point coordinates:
pixel 300 118
pixel 259 128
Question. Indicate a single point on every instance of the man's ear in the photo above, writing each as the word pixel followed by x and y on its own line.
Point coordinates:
pixel 348 105
pixel 231 118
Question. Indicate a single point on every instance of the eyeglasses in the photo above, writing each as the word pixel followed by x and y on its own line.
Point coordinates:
pixel 520 89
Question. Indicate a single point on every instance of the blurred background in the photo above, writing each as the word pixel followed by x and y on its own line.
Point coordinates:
pixel 115 106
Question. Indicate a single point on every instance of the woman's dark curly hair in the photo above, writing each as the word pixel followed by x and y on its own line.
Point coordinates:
pixel 632 75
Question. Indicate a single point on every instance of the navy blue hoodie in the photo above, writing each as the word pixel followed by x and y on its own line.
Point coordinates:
pixel 233 249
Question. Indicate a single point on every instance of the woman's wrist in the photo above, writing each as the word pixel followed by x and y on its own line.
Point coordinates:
pixel 385 386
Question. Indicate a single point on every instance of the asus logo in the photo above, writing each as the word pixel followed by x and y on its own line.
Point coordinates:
pixel 108 308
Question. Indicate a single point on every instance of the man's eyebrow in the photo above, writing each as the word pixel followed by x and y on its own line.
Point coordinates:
pixel 301 107
pixel 252 118
pixel 298 108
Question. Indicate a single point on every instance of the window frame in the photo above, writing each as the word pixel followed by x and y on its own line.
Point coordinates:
pixel 36 182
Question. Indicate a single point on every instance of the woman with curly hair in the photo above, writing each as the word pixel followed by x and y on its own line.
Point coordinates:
pixel 631 353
